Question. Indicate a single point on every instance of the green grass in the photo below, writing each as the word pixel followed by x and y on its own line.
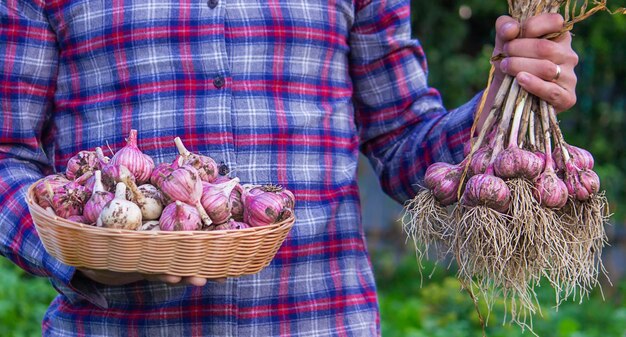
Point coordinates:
pixel 440 308
pixel 23 301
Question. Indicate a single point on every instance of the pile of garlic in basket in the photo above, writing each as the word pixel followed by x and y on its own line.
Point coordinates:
pixel 128 191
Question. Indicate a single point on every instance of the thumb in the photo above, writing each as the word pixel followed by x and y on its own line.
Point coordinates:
pixel 507 29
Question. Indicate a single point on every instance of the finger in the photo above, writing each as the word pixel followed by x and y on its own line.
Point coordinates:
pixel 110 277
pixel 163 278
pixel 541 49
pixel 507 28
pixel 542 24
pixel 543 69
pixel 195 281
pixel 552 93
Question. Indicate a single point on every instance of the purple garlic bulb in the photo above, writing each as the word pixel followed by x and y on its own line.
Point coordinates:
pixel 236 201
pixel 443 180
pixel 487 190
pixel 581 158
pixel 216 200
pixel 183 184
pixel 518 163
pixel 267 205
pixel 99 198
pixel 47 187
pixel 139 164
pixel 550 190
pixel 179 216
pixel 70 200
pixel 82 162
pixel 581 184
pixel 232 225
pixel 207 167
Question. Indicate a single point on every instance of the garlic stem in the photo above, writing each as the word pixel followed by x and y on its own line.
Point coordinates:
pixel 517 117
pixel 507 114
pixel 103 159
pixel 505 86
pixel 523 130
pixel 531 129
pixel 181 147
pixel 206 220
pixel 545 122
pixel 97 186
pixel 559 139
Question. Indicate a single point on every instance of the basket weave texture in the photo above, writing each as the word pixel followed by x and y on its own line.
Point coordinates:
pixel 208 254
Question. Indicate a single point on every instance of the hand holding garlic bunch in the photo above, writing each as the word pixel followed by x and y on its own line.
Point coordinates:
pixel 128 191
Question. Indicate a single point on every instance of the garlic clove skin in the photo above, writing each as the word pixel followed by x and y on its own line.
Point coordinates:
pixel 581 184
pixel 580 158
pixel 435 173
pixel 139 164
pixel 79 219
pixel 235 199
pixel 120 213
pixel 179 216
pixel 159 173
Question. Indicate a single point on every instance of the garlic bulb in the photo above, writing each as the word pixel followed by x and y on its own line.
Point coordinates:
pixel 120 213
pixel 184 184
pixel 46 187
pixel 150 200
pixel 266 205
pixel 216 200
pixel 487 190
pixel 99 198
pixel 443 180
pixel 236 202
pixel 139 164
pixel 179 216
pixel 206 166
pixel 69 200
pixel 82 162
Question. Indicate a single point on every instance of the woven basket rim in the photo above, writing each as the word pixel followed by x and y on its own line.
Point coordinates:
pixel 59 221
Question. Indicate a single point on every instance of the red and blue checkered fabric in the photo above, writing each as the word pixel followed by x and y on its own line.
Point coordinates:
pixel 282 91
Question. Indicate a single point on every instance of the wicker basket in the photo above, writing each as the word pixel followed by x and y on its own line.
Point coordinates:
pixel 213 254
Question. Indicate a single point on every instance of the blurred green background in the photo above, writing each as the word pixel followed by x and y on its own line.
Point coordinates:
pixel 457 37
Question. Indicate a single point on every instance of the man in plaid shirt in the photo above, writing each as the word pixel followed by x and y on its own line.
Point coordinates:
pixel 283 92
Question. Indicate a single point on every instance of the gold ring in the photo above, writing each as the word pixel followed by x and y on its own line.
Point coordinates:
pixel 558 73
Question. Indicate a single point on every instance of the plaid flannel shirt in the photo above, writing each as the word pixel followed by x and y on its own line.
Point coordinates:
pixel 285 92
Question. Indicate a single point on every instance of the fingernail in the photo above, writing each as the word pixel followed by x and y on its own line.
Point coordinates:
pixel 504 65
pixel 507 27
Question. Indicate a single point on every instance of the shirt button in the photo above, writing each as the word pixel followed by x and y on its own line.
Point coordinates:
pixel 213 3
pixel 218 82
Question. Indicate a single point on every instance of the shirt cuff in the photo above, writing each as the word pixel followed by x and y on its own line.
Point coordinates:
pixel 72 284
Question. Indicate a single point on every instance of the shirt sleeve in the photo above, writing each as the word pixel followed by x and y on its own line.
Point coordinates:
pixel 402 123
pixel 28 69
